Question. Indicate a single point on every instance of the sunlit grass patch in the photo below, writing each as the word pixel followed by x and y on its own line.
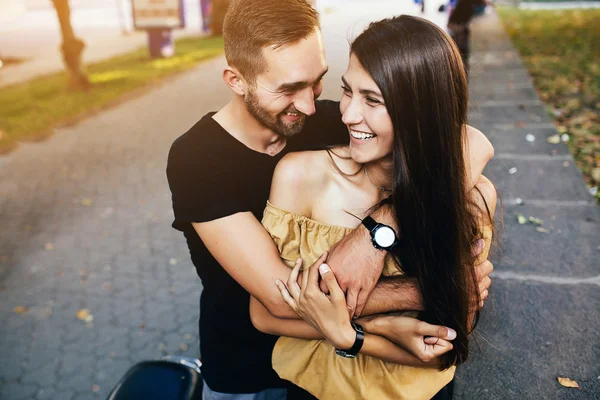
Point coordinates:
pixel 31 109
pixel 561 50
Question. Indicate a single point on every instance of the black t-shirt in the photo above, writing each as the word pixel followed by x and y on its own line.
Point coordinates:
pixel 212 175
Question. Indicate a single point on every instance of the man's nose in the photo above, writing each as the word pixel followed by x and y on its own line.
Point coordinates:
pixel 305 102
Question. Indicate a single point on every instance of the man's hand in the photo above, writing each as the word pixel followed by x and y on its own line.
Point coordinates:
pixel 357 265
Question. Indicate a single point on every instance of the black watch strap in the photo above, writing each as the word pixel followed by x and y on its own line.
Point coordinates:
pixel 358 343
pixel 369 223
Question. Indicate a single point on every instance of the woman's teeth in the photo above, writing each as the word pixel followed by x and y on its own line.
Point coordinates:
pixel 361 135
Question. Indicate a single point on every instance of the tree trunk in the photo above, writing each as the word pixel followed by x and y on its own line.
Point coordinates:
pixel 71 47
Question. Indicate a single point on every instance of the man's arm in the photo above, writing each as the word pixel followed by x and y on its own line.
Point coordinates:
pixel 375 345
pixel 358 265
pixel 401 293
pixel 247 252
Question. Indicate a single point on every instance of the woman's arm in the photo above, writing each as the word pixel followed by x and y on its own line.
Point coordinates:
pixel 374 345
pixel 267 323
pixel 477 153
pixel 327 318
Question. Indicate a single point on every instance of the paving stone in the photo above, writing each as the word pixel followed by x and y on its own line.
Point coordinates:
pixel 515 113
pixel 52 393
pixel 532 177
pixel 85 396
pixel 17 391
pixel 568 246
pixel 556 330
pixel 80 380
pixel 110 370
pixel 512 140
pixel 45 375
pixel 482 93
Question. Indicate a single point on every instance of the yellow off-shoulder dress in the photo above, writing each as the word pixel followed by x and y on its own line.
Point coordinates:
pixel 313 364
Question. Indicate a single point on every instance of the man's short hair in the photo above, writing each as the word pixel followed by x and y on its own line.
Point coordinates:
pixel 251 25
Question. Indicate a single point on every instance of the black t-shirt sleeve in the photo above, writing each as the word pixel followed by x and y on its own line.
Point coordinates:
pixel 199 186
pixel 325 127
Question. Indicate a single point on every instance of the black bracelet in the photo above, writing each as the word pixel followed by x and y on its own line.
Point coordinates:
pixel 358 343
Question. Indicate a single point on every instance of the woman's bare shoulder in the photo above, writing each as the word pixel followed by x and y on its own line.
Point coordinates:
pixel 296 178
pixel 301 168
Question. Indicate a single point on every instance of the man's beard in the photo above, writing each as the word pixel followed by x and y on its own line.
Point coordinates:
pixel 274 123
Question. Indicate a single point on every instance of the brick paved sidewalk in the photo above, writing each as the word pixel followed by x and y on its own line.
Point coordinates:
pixel 543 316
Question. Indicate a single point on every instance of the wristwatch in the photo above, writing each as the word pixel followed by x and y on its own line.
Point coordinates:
pixel 383 236
pixel 358 342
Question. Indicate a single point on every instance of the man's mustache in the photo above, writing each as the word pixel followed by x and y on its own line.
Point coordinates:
pixel 293 110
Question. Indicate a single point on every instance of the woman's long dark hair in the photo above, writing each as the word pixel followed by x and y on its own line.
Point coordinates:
pixel 421 76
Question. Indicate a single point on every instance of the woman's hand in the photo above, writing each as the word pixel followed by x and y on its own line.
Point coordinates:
pixel 423 340
pixel 328 314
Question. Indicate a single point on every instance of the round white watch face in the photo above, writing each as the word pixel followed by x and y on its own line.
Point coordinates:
pixel 385 236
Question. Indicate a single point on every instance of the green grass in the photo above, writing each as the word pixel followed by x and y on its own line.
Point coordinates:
pixel 29 111
pixel 561 50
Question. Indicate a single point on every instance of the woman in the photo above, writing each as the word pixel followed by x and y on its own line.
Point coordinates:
pixel 405 105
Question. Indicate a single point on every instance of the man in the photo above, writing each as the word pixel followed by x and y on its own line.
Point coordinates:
pixel 220 173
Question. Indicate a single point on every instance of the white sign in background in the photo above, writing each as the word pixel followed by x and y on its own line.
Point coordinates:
pixel 157 14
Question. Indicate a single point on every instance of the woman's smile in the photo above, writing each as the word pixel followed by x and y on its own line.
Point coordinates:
pixel 361 135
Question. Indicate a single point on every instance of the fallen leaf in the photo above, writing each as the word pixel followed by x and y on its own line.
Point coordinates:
pixel 49 246
pixel 566 164
pixel 183 347
pixel 520 124
pixel 173 261
pixel 521 219
pixel 566 382
pixel 519 200
pixel 512 171
pixel 554 139
pixel 86 202
pixel 530 138
pixel 596 174
pixel 20 309
pixel 83 314
pixel 542 230
pixel 536 221
pixel 95 388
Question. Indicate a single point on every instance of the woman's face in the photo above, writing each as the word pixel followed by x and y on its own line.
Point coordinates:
pixel 366 116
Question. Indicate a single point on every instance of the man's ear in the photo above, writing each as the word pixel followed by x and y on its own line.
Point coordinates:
pixel 235 81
